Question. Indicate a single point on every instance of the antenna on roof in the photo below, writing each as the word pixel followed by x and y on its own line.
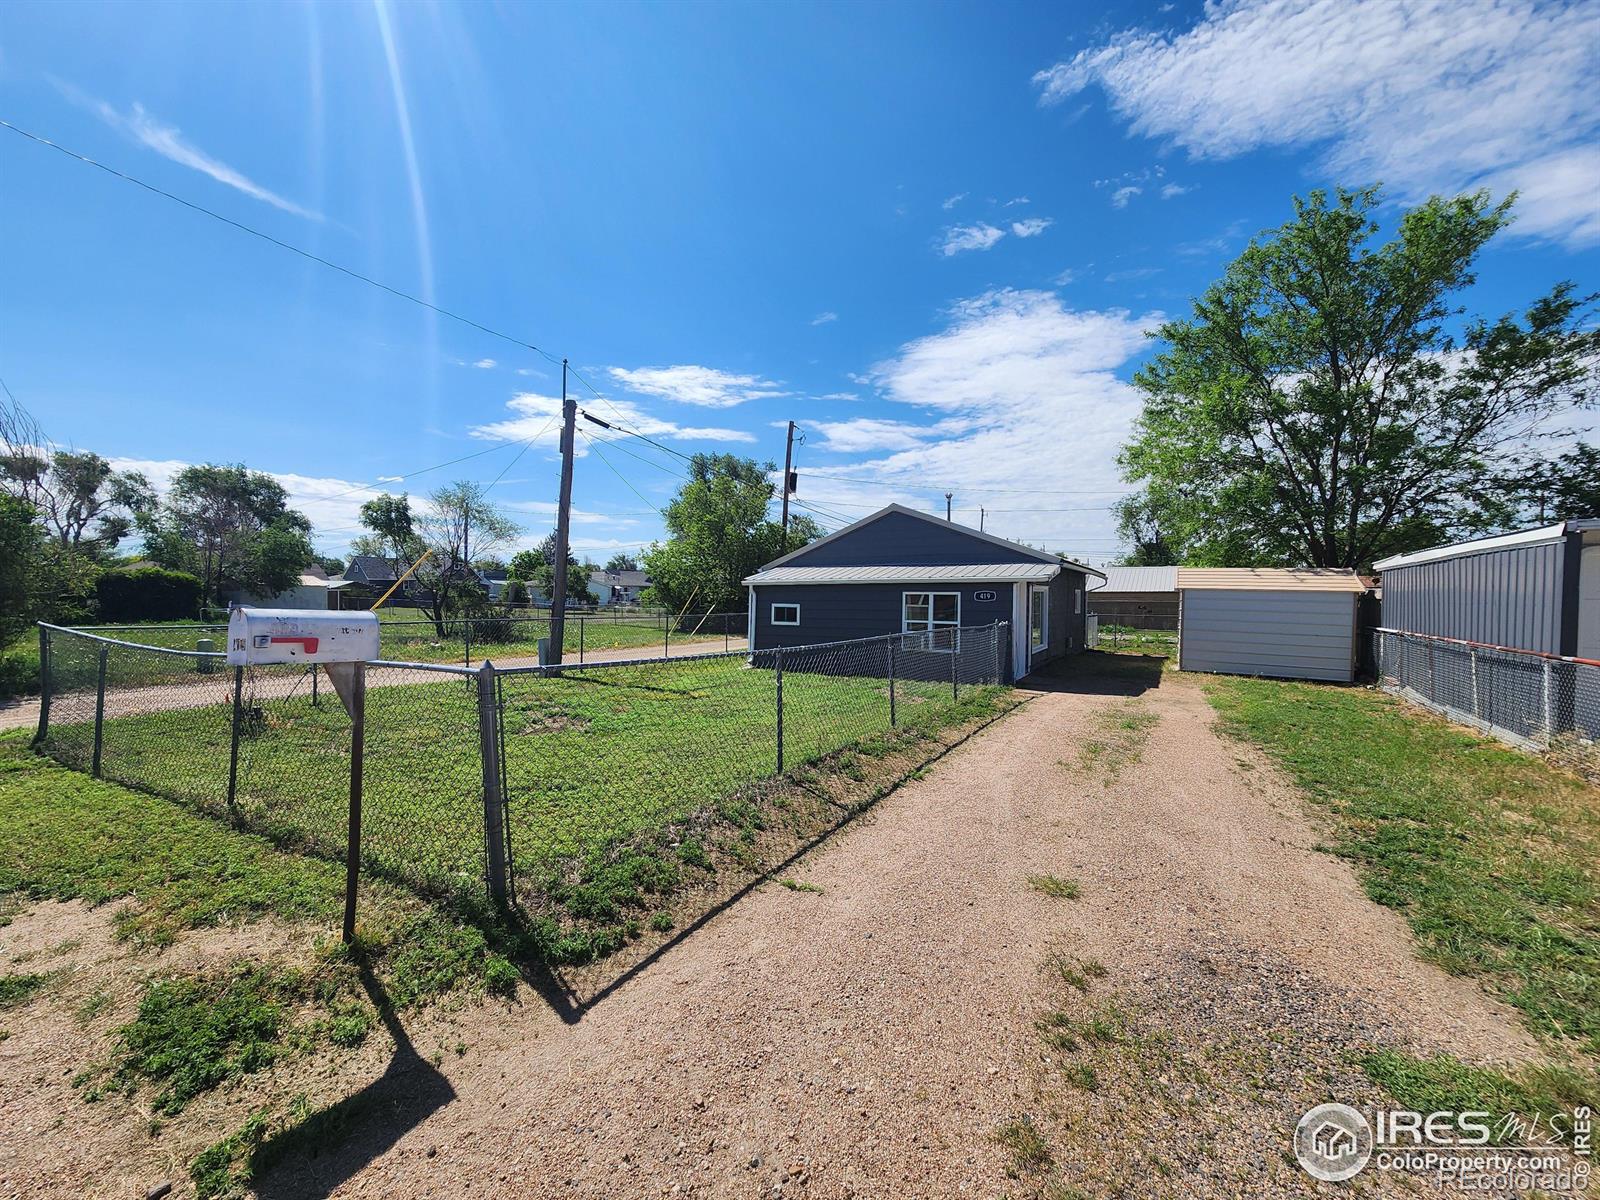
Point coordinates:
pixel 947 496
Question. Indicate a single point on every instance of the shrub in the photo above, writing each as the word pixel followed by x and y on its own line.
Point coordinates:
pixel 147 594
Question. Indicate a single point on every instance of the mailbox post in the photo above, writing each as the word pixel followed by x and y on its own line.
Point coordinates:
pixel 342 643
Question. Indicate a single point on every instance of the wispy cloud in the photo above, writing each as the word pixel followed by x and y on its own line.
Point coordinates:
pixel 1120 197
pixel 954 200
pixel 1032 226
pixel 536 419
pixel 1016 200
pixel 825 318
pixel 705 386
pixel 1174 189
pixel 486 364
pixel 1404 91
pixel 1132 274
pixel 960 238
pixel 169 142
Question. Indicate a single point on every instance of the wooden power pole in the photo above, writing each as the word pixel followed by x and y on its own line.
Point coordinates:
pixel 558 602
pixel 788 475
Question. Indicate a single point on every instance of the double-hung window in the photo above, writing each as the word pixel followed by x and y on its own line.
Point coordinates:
pixel 1038 617
pixel 937 615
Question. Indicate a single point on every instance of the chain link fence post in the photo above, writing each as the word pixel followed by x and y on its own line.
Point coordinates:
pixel 780 708
pixel 955 666
pixel 494 836
pixel 358 749
pixel 233 750
pixel 893 721
pixel 1549 708
pixel 99 710
pixel 45 680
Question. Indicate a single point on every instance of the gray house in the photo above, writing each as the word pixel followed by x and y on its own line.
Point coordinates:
pixel 900 570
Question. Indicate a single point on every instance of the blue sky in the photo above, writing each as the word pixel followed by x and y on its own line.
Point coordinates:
pixel 933 235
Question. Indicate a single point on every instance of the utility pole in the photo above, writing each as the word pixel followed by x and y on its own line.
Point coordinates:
pixel 947 496
pixel 982 513
pixel 788 474
pixel 558 611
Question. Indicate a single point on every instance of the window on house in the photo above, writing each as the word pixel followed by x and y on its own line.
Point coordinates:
pixel 1038 617
pixel 786 614
pixel 934 614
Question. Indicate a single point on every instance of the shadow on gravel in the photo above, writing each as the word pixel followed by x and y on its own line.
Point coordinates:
pixel 331 1146
pixel 1095 673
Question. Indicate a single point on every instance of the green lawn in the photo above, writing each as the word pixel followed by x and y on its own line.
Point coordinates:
pixel 1491 855
pixel 594 759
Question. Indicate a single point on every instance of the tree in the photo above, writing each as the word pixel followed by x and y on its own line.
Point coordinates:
pixel 719 533
pixel 232 527
pixel 21 542
pixel 394 532
pixel 1540 490
pixel 622 562
pixel 1316 409
pixel 1140 526
pixel 458 523
pixel 537 568
pixel 82 503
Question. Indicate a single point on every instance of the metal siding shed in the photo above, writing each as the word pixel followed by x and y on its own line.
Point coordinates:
pixel 1289 624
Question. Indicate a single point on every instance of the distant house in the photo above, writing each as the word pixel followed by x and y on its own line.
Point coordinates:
pixel 618 587
pixel 903 571
pixel 313 590
pixel 1137 597
pixel 494 582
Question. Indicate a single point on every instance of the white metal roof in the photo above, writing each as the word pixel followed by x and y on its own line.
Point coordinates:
pixel 1270 579
pixel 1011 572
pixel 1505 541
pixel 1042 555
pixel 1139 579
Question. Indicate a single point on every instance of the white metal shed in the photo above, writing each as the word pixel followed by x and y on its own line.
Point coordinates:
pixel 1288 624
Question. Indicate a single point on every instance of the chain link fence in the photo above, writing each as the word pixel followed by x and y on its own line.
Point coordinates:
pixel 1538 702
pixel 583 792
pixel 467 640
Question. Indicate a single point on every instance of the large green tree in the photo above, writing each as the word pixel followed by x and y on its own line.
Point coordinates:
pixel 458 524
pixel 1330 402
pixel 719 532
pixel 231 527
pixel 21 544
pixel 536 568
pixel 394 529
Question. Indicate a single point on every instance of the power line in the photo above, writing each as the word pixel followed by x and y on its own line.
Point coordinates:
pixel 822 473
pixel 601 455
pixel 281 244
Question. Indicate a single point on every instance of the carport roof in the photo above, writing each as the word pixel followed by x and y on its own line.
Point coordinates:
pixel 1011 572
pixel 1270 579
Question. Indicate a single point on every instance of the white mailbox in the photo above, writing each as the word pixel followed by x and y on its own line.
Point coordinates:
pixel 291 635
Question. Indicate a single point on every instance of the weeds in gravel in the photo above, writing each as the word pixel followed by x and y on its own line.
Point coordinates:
pixel 1075 974
pixel 795 885
pixel 1028 1149
pixel 18 989
pixel 1488 853
pixel 1121 732
pixel 1054 885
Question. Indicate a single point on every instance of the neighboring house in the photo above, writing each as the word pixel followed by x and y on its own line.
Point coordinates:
pixel 313 590
pixel 372 575
pixel 1534 590
pixel 1138 597
pixel 494 582
pixel 618 587
pixel 900 570
pixel 1279 622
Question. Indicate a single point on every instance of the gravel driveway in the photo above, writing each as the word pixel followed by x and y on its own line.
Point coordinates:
pixel 869 1039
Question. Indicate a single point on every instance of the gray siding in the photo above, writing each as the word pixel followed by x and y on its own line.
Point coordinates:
pixel 835 612
pixel 1510 597
pixel 1066 633
pixel 1288 635
pixel 899 540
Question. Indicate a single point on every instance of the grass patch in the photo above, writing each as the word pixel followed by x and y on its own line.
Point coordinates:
pixel 1446 1084
pixel 1075 974
pixel 19 989
pixel 1022 1140
pixel 1121 731
pixel 1488 853
pixel 795 885
pixel 1054 885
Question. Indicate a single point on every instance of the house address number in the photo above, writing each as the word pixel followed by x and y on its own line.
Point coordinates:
pixel 985 595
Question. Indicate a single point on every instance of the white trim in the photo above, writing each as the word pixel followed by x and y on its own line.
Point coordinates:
pixel 955 575
pixel 1039 555
pixel 1021 657
pixel 1035 589
pixel 772 612
pixel 1506 541
pixel 750 624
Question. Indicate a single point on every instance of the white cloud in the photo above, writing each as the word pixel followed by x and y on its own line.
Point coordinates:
pixel 169 142
pixel 1016 200
pixel 825 318
pixel 839 396
pixel 873 433
pixel 954 200
pixel 537 419
pixel 970 237
pixel 1067 276
pixel 1022 393
pixel 705 386
pixel 1120 197
pixel 1130 274
pixel 485 364
pixel 1032 226
pixel 1424 96
pixel 1173 189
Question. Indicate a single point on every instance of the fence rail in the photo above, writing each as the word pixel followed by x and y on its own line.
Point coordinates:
pixel 527 781
pixel 1536 701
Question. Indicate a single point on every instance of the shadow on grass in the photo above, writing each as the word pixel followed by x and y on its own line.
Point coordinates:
pixel 1096 673
pixel 314 1157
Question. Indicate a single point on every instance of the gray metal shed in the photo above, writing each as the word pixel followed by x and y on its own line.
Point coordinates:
pixel 1534 590
pixel 1288 624
pixel 1138 597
